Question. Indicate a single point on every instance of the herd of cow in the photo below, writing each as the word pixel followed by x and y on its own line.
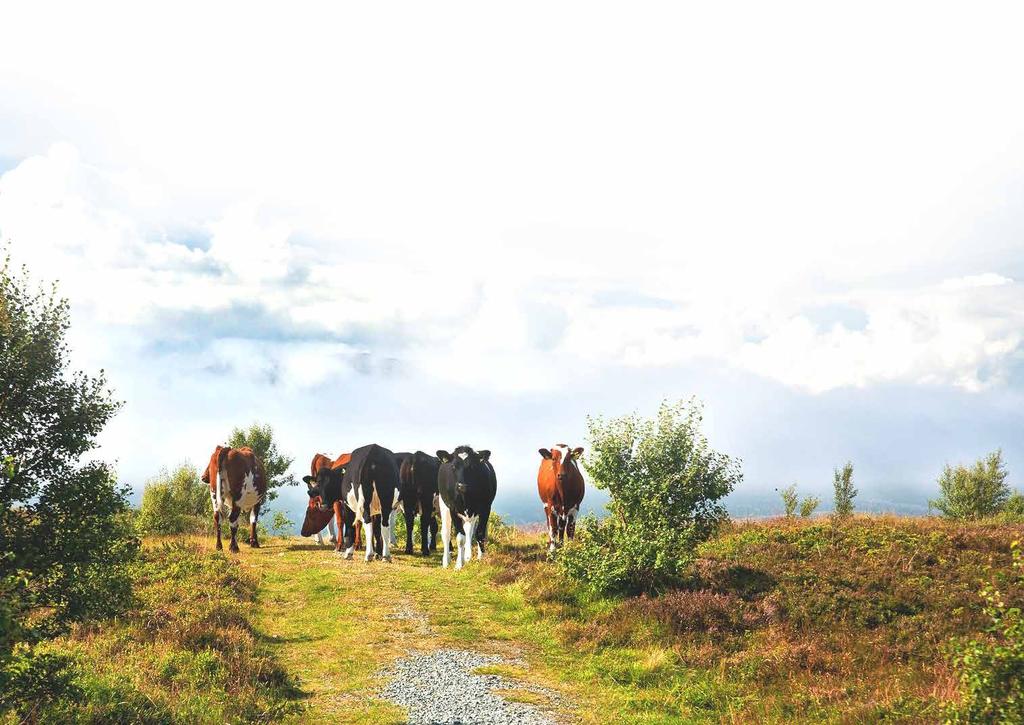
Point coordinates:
pixel 372 484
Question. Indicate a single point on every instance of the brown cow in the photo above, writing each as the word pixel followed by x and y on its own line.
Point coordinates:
pixel 237 483
pixel 560 485
pixel 315 516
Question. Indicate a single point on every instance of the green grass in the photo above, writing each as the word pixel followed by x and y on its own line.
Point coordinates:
pixel 780 621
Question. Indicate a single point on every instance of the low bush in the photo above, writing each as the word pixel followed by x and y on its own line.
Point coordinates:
pixel 186 652
pixel 176 502
pixel 665 483
pixel 991 669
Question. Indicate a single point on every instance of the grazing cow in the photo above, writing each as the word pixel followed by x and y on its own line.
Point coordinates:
pixel 237 483
pixel 560 485
pixel 418 476
pixel 467 484
pixel 316 516
pixel 367 485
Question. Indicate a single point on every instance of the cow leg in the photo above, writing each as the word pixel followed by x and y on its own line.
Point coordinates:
pixel 409 514
pixel 433 532
pixel 561 529
pixel 446 534
pixel 394 537
pixel 378 542
pixel 254 516
pixel 348 528
pixel 469 531
pixel 552 517
pixel 387 521
pixel 366 489
pixel 233 521
pixel 570 526
pixel 216 520
pixel 481 533
pixel 332 529
pixel 460 541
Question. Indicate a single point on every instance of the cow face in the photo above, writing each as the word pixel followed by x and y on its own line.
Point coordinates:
pixel 469 468
pixel 563 459
pixel 326 485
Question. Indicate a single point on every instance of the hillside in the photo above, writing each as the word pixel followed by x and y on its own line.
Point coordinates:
pixel 780 621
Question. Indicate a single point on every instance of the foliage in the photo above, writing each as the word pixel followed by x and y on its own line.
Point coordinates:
pixel 1013 510
pixel 991 670
pixel 785 620
pixel 844 492
pixel 63 524
pixel 188 652
pixel 789 499
pixel 175 502
pixel 280 524
pixel 665 483
pixel 808 505
pixel 975 492
pixel 261 439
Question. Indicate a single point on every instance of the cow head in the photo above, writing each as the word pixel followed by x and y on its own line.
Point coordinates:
pixel 213 467
pixel 470 468
pixel 326 485
pixel 562 459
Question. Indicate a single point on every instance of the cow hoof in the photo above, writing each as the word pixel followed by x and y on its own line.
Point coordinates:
pixel 348 557
pixel 408 550
pixel 233 548
pixel 220 546
pixel 387 558
pixel 254 544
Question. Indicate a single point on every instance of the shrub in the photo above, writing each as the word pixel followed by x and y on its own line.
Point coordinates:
pixel 991 671
pixel 789 499
pixel 261 439
pixel 665 482
pixel 1013 510
pixel 280 524
pixel 175 502
pixel 808 505
pixel 975 492
pixel 49 418
pixel 844 492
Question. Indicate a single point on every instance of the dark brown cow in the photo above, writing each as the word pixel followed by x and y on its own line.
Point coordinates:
pixel 316 518
pixel 237 483
pixel 561 487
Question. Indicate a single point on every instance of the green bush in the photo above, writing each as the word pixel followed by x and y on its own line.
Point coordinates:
pixel 175 502
pixel 975 492
pixel 1013 510
pixel 809 505
pixel 280 524
pixel 789 499
pixel 991 670
pixel 665 483
pixel 844 492
pixel 261 439
pixel 65 537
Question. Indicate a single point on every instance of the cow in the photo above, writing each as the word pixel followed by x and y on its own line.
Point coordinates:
pixel 560 485
pixel 466 483
pixel 418 477
pixel 237 483
pixel 316 516
pixel 367 485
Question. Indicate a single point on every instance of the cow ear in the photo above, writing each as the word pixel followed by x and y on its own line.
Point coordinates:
pixel 205 478
pixel 577 452
pixel 308 480
pixel 484 455
pixel 545 454
pixel 444 456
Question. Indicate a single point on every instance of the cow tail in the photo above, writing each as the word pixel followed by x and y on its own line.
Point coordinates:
pixel 217 485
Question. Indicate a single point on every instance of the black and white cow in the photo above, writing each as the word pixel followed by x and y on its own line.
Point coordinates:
pixel 466 483
pixel 417 473
pixel 368 486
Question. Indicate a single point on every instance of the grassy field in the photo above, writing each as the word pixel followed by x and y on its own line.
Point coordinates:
pixel 780 621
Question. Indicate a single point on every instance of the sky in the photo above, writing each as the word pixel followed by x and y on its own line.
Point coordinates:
pixel 425 225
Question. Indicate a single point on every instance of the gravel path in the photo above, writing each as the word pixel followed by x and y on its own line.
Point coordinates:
pixel 440 688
